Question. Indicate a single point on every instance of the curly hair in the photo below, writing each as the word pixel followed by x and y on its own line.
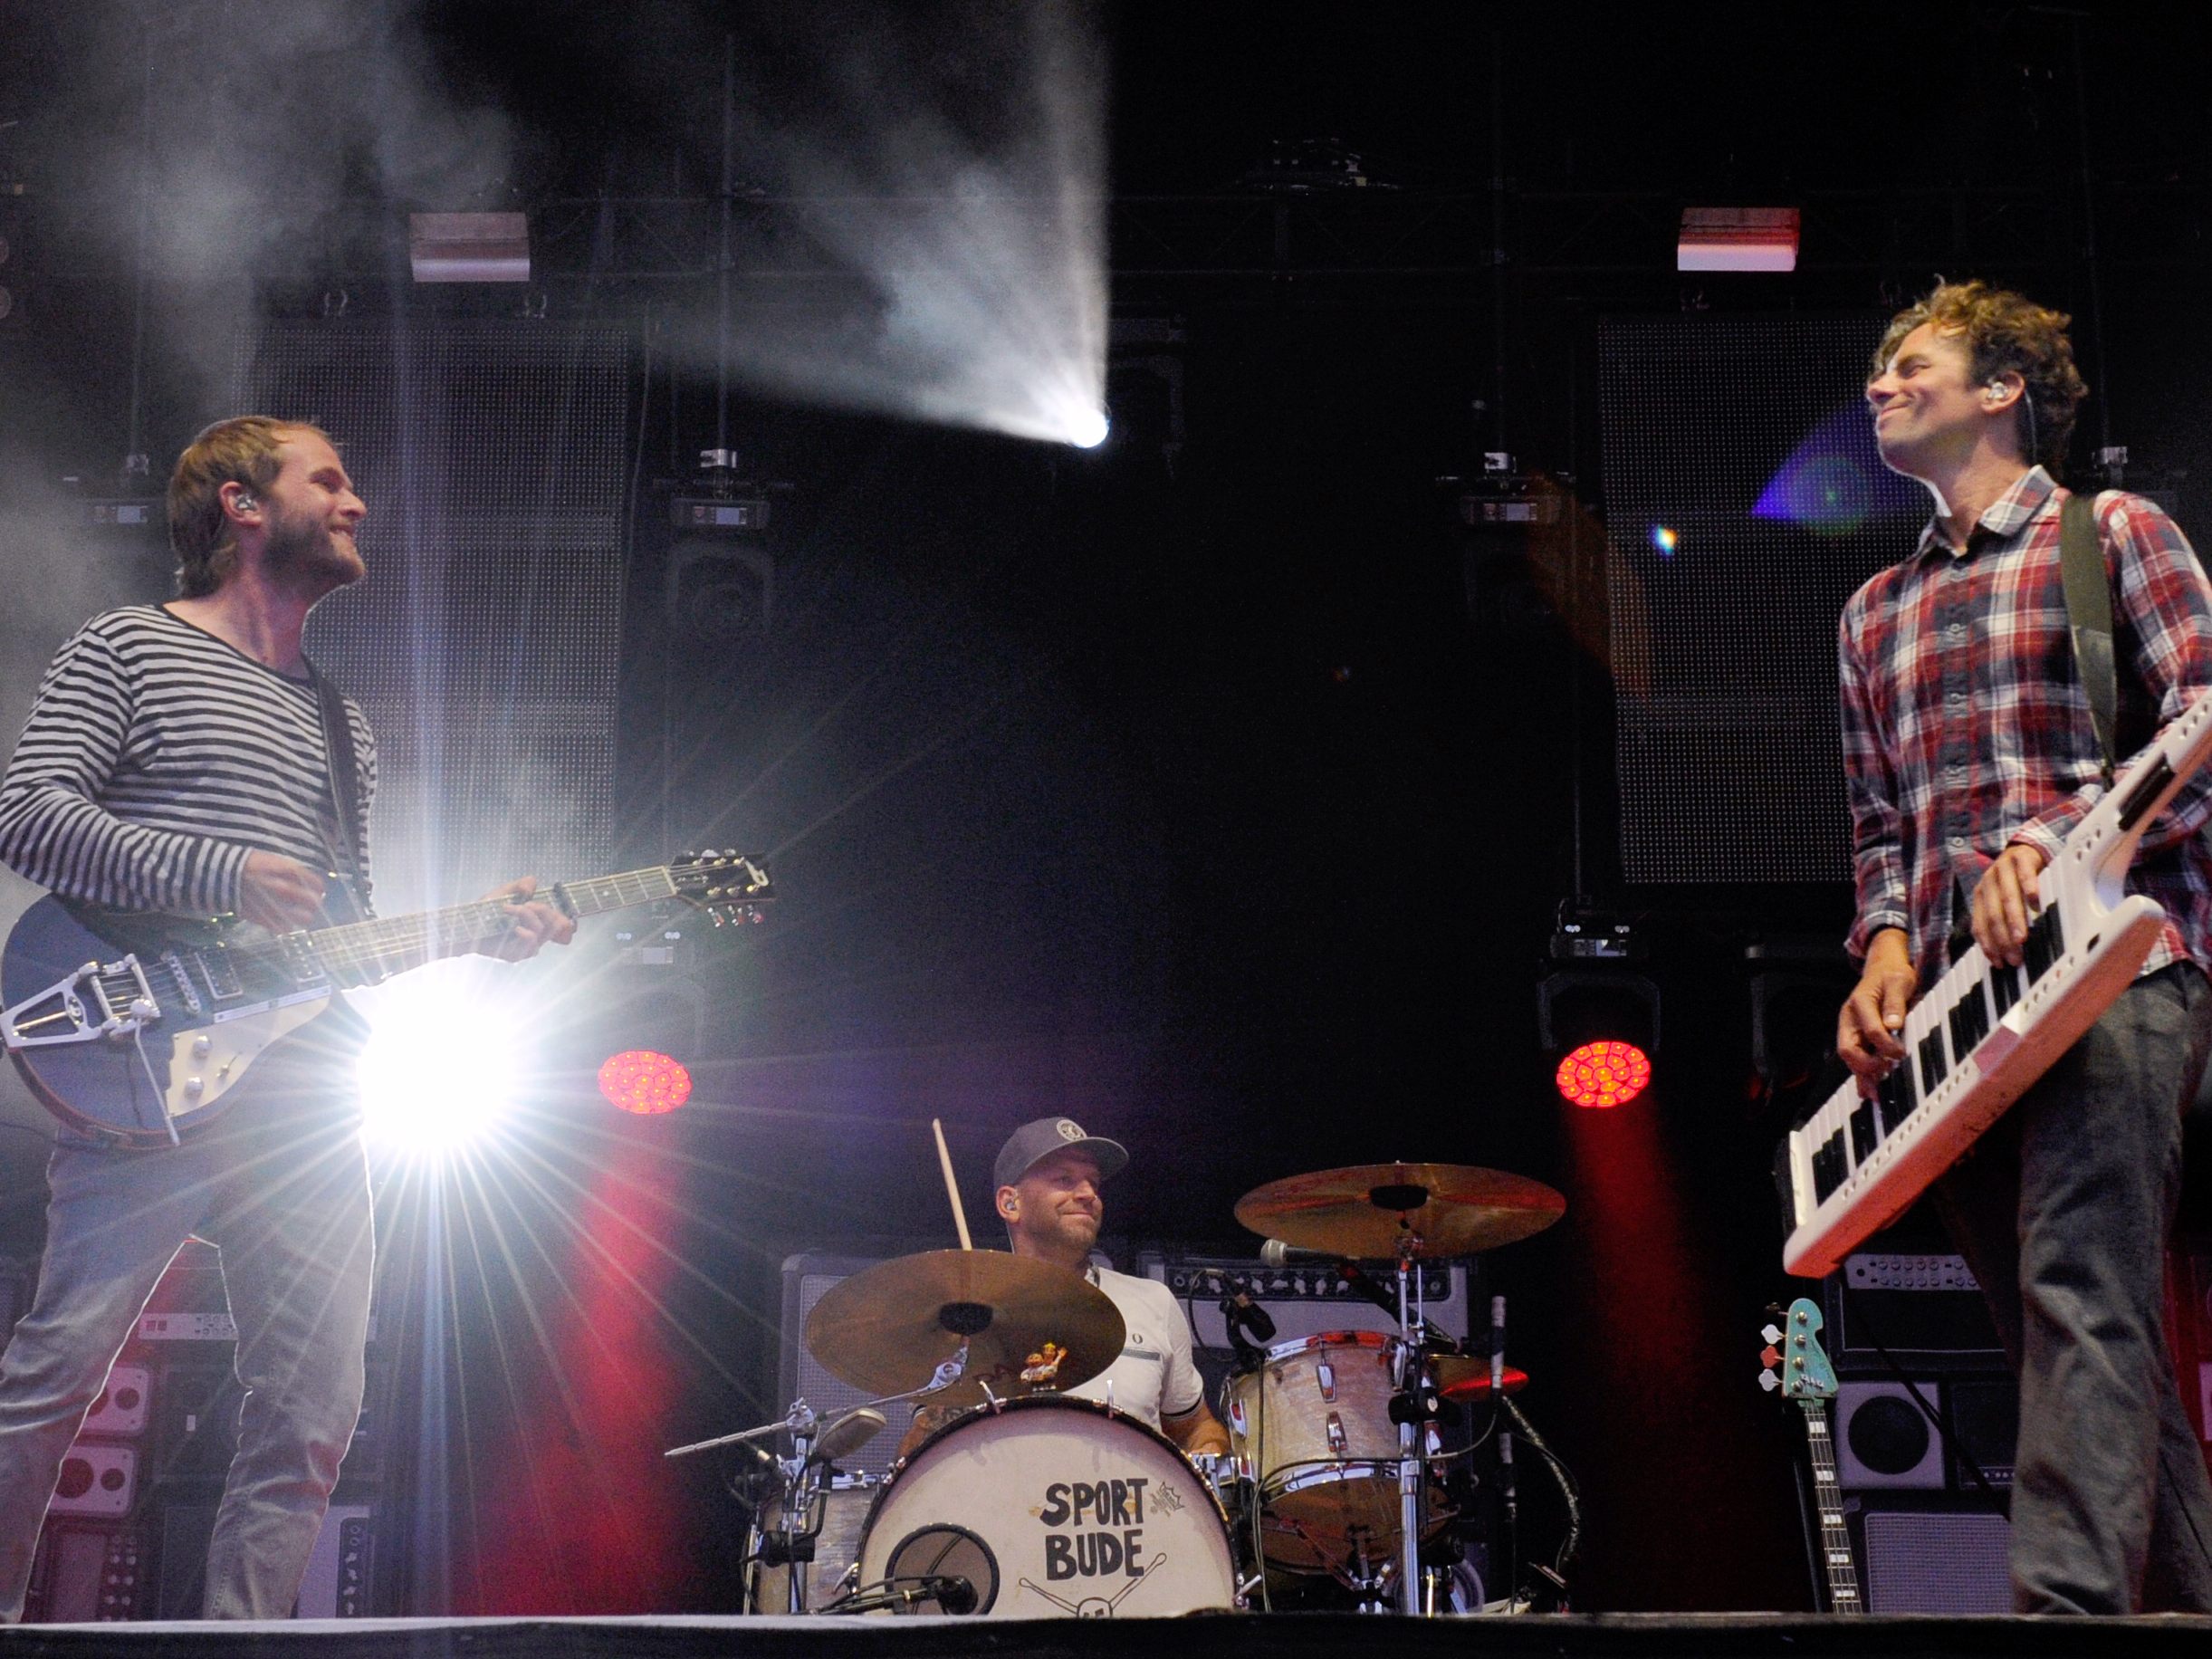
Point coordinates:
pixel 2006 333
pixel 243 450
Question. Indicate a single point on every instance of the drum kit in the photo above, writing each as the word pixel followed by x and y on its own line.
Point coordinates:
pixel 1023 1501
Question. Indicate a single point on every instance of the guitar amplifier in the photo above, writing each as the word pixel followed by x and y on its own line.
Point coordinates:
pixel 86 1572
pixel 807 1279
pixel 1923 1307
pixel 1304 1300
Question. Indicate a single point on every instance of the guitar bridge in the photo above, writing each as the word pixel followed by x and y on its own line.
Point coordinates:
pixel 111 1000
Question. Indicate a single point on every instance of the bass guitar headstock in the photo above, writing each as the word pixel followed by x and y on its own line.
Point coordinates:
pixel 1794 1359
pixel 727 887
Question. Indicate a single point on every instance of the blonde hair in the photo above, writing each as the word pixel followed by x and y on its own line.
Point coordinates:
pixel 243 450
pixel 2006 333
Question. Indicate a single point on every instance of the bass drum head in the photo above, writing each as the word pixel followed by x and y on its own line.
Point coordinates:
pixel 1053 1507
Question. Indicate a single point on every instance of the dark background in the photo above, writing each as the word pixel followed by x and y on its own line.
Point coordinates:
pixel 1177 785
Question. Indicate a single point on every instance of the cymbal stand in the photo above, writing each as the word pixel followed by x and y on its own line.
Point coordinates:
pixel 1406 1379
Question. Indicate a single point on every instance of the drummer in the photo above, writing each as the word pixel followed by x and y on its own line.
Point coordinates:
pixel 1048 1176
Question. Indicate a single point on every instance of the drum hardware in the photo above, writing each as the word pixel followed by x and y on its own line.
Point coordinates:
pixel 1402 1213
pixel 815 1448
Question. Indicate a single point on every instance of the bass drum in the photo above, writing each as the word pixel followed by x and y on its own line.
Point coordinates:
pixel 1049 1507
pixel 834 1523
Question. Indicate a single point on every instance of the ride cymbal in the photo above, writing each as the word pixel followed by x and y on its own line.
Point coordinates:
pixel 1376 1212
pixel 886 1329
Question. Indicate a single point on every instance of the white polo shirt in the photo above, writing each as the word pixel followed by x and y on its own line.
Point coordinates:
pixel 1156 1374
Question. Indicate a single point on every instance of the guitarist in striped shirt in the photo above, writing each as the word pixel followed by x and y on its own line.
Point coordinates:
pixel 175 760
pixel 1970 753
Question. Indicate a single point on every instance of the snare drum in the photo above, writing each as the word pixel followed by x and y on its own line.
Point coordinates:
pixel 837 1516
pixel 1313 1427
pixel 1052 1506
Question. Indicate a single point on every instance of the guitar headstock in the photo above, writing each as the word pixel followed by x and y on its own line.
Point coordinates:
pixel 1795 1362
pixel 728 887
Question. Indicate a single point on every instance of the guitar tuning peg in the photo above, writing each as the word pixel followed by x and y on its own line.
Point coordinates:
pixel 1771 1334
pixel 1769 1381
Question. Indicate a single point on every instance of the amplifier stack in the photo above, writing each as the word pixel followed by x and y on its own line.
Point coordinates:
pixel 126 1535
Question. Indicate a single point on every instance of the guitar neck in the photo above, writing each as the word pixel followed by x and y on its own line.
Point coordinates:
pixel 1836 1566
pixel 361 952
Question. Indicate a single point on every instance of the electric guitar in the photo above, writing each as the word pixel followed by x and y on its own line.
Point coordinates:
pixel 134 1025
pixel 1806 1376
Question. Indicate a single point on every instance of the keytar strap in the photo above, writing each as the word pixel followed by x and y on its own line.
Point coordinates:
pixel 2089 614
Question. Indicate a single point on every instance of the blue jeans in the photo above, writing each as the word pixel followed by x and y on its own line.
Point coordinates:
pixel 2062 1211
pixel 280 1184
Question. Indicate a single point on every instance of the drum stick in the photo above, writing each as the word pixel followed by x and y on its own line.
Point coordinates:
pixel 952 1187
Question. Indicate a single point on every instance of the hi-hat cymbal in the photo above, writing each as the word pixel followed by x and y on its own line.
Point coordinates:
pixel 1467 1376
pixel 1373 1212
pixel 886 1329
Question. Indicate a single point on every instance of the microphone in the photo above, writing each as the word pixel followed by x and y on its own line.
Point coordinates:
pixel 1275 1253
pixel 847 1434
pixel 956 1596
pixel 1243 1314
pixel 1498 1348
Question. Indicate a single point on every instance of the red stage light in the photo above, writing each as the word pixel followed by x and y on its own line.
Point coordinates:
pixel 639 1080
pixel 1604 1073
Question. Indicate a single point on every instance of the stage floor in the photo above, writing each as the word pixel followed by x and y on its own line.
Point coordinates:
pixel 1283 1635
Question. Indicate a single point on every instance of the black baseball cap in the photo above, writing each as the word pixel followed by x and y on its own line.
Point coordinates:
pixel 1035 1141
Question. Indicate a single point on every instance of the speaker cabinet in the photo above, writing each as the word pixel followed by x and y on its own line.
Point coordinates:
pixel 97 1479
pixel 1884 1441
pixel 121 1410
pixel 339 1571
pixel 1943 1557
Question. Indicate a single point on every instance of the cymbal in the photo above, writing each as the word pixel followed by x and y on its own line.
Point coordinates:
pixel 887 1328
pixel 1366 1213
pixel 1467 1376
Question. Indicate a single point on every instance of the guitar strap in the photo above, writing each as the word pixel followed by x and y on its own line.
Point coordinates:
pixel 345 780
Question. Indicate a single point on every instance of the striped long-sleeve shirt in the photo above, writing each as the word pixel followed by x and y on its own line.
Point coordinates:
pixel 1966 727
pixel 156 757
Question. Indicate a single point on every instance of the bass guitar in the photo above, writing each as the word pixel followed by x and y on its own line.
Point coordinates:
pixel 133 1026
pixel 1796 1364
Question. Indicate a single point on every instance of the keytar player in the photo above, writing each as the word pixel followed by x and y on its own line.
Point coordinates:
pixel 1047 1178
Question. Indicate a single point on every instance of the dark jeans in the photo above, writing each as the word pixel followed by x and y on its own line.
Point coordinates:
pixel 2062 1211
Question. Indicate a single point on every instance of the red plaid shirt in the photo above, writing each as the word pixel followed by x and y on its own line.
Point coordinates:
pixel 1965 728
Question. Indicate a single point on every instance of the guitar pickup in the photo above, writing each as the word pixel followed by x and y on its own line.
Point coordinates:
pixel 223 982
pixel 108 999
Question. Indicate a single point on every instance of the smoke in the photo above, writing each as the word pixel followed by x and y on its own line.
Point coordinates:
pixel 240 140
pixel 950 162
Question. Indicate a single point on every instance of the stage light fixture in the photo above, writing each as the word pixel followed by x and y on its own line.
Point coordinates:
pixel 646 1083
pixel 440 1068
pixel 469 247
pixel 1598 1015
pixel 1087 429
pixel 1604 1073
pixel 1738 239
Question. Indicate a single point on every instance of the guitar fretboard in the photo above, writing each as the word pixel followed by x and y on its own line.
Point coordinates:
pixel 362 953
pixel 1842 1573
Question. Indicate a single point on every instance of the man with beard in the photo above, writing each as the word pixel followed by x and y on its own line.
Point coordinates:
pixel 1048 1177
pixel 175 762
pixel 1971 754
